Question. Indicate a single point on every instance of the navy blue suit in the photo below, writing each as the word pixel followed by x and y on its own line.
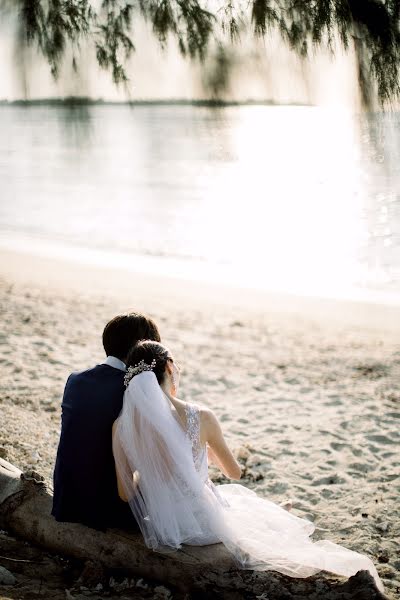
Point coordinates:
pixel 85 485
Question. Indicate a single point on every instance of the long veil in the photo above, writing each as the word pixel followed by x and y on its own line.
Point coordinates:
pixel 153 457
pixel 173 505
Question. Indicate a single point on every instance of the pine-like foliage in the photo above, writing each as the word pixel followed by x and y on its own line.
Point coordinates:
pixel 371 27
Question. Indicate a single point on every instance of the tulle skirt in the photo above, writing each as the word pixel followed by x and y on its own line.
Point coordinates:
pixel 263 536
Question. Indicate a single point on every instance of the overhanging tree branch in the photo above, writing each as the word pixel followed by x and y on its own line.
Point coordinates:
pixel 370 27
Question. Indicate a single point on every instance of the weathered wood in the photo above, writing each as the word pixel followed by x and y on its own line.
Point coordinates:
pixel 25 505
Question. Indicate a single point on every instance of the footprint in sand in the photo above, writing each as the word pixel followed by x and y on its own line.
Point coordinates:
pixel 338 446
pixel 332 479
pixel 381 439
pixel 361 467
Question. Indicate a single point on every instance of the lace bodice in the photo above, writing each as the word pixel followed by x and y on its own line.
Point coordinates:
pixel 199 450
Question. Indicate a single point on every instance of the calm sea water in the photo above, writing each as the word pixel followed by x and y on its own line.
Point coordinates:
pixel 301 199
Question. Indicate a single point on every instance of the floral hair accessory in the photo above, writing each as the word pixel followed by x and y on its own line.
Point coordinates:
pixel 136 369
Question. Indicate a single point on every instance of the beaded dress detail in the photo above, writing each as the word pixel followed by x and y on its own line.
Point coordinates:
pixel 199 451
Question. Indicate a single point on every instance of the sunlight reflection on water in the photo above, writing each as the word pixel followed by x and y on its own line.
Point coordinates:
pixel 291 198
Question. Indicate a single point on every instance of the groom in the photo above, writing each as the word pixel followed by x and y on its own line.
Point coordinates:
pixel 85 486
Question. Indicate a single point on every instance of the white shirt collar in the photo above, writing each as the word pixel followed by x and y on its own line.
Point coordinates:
pixel 113 361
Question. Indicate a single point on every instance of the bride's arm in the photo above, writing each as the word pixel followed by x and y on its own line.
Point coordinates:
pixel 121 488
pixel 212 458
pixel 218 449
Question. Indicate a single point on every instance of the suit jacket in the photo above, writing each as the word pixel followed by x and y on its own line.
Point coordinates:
pixel 85 484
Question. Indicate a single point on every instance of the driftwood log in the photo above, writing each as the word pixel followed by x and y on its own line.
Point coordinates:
pixel 25 505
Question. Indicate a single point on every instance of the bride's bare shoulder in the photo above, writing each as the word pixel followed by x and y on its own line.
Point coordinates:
pixel 205 413
pixel 207 417
pixel 193 405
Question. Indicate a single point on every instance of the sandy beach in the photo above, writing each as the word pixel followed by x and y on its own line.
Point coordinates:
pixel 307 390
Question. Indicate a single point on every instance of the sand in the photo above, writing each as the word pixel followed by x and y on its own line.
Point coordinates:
pixel 307 390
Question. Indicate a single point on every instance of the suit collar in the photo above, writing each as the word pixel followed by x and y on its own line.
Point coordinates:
pixel 116 363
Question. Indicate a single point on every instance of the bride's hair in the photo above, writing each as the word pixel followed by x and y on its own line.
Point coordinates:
pixel 147 351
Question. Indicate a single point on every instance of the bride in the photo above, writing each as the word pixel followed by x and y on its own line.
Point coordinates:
pixel 161 448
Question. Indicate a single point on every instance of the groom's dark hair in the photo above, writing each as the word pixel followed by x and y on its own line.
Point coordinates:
pixel 124 331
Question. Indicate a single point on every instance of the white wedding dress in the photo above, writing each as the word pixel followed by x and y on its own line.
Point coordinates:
pixel 175 502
